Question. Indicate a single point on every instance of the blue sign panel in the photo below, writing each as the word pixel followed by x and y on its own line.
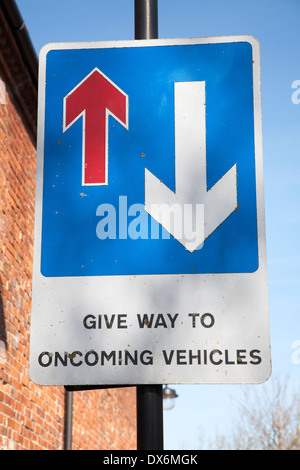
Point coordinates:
pixel 124 125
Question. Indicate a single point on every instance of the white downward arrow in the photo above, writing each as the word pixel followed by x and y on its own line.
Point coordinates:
pixel 192 213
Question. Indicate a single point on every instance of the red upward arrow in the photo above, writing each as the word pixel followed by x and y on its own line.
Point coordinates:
pixel 95 98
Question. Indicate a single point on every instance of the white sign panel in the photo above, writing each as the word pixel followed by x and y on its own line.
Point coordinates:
pixel 150 261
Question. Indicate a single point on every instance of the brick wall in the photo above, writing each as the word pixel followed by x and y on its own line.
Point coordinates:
pixel 33 417
pixel 111 415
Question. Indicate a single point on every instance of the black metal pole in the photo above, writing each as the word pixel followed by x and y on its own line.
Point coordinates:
pixel 68 420
pixel 148 397
pixel 146 19
pixel 149 417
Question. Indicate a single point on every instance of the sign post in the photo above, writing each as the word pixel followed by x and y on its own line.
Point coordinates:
pixel 150 257
pixel 149 397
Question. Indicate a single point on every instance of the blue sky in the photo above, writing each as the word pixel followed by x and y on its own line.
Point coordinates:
pixel 201 410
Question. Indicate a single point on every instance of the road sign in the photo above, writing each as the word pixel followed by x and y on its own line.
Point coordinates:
pixel 150 263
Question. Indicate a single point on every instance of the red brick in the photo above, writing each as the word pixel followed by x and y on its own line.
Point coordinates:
pixel 32 417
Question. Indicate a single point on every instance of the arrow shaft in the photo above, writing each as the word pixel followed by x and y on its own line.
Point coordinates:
pixel 190 140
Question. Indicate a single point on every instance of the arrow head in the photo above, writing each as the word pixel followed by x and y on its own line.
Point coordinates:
pixel 176 216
